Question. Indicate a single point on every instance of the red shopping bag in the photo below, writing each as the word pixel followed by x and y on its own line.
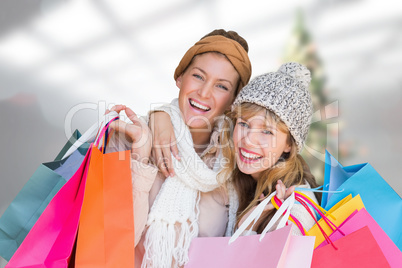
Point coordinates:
pixel 360 219
pixel 51 239
pixel 106 229
pixel 357 249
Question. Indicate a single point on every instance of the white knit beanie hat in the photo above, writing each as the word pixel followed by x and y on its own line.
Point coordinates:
pixel 285 93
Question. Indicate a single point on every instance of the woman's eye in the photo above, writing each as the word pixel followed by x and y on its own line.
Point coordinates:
pixel 267 132
pixel 197 76
pixel 242 124
pixel 223 87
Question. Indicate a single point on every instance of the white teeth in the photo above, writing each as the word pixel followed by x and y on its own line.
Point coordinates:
pixel 202 107
pixel 248 155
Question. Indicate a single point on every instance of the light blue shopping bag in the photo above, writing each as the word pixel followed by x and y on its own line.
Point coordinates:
pixel 379 198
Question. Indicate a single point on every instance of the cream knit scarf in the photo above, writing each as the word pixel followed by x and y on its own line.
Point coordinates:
pixel 173 219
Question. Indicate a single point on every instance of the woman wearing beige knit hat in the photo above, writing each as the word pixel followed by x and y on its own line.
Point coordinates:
pixel 169 211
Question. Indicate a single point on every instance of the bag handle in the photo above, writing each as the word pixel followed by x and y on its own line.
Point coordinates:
pixel 91 133
pixel 283 211
pixel 319 210
pixel 104 133
pixel 304 201
pixel 300 196
pixel 255 215
pixel 317 189
pixel 301 201
pixel 277 203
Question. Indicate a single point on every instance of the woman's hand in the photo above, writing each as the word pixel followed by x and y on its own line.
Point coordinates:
pixel 281 193
pixel 137 133
pixel 164 142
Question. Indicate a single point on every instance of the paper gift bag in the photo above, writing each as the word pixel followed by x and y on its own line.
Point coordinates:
pixel 360 219
pixel 36 194
pixel 340 211
pixel 357 249
pixel 51 239
pixel 379 199
pixel 277 248
pixel 300 251
pixel 246 251
pixel 106 230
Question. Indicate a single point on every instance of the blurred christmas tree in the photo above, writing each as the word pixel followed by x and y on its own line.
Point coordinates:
pixel 323 133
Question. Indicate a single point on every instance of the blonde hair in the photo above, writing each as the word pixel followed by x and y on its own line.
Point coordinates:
pixel 290 168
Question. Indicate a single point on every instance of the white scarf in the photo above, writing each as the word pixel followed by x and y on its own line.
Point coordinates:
pixel 173 219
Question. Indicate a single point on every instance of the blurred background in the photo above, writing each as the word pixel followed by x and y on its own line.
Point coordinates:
pixel 62 62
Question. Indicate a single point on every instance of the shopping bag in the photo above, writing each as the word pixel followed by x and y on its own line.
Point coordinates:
pixel 246 251
pixel 300 251
pixel 379 199
pixel 106 229
pixel 360 219
pixel 277 248
pixel 51 239
pixel 357 249
pixel 36 194
pixel 339 213
pixel 83 148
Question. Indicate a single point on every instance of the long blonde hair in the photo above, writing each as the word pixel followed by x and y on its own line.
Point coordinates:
pixel 290 168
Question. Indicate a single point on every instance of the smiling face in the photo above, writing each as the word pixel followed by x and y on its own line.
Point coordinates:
pixel 207 89
pixel 259 142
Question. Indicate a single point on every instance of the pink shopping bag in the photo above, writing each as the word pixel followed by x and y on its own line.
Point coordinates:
pixel 246 251
pixel 360 219
pixel 51 239
pixel 276 248
pixel 300 251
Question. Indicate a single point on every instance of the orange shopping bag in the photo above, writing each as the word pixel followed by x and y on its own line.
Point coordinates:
pixel 106 228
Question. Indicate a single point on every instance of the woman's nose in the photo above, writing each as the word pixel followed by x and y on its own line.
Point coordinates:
pixel 205 91
pixel 251 137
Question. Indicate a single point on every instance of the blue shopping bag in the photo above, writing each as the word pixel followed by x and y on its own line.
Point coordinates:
pixel 379 199
pixel 31 201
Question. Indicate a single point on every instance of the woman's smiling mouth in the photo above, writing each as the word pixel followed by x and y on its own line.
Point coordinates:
pixel 248 156
pixel 196 105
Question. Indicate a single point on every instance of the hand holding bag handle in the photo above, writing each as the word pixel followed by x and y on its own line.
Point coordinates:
pixel 92 132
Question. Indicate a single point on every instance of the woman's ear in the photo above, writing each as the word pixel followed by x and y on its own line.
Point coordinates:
pixel 288 148
pixel 179 81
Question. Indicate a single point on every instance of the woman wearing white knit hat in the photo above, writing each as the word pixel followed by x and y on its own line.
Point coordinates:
pixel 272 116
